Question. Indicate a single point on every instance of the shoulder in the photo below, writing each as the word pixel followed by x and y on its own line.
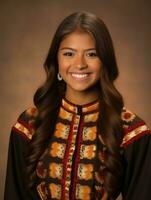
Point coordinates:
pixel 24 125
pixel 134 127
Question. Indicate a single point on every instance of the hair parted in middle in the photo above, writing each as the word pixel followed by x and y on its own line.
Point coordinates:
pixel 48 97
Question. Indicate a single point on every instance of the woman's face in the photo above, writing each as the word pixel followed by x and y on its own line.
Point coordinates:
pixel 78 62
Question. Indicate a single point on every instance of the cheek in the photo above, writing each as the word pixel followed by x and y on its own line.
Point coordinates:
pixel 63 67
pixel 97 70
pixel 61 64
pixel 97 76
pixel 95 63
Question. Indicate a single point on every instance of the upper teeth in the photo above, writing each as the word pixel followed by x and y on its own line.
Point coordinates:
pixel 79 75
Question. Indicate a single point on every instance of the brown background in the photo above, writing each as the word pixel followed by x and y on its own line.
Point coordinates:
pixel 26 29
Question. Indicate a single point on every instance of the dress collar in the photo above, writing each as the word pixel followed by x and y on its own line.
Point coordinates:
pixel 80 109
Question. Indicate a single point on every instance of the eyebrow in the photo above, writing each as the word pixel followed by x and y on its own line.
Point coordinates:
pixel 69 48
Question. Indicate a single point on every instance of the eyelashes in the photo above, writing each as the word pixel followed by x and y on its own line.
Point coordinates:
pixel 87 54
pixel 91 54
pixel 68 54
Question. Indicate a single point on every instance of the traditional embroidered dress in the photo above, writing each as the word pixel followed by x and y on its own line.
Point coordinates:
pixel 69 167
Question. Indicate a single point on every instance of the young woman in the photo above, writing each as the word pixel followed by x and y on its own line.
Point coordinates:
pixel 79 142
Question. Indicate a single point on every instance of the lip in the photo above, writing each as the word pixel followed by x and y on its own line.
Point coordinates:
pixel 81 72
pixel 80 76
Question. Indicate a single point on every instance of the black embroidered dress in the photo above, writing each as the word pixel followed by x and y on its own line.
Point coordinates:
pixel 70 164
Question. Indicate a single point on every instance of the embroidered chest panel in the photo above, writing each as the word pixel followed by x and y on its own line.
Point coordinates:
pixel 69 166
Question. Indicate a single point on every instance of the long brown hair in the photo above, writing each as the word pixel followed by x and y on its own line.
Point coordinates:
pixel 47 100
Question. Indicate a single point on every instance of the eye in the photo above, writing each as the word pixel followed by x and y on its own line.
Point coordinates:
pixel 68 53
pixel 91 54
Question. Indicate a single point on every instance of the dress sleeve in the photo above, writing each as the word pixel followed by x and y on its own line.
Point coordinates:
pixel 137 154
pixel 15 184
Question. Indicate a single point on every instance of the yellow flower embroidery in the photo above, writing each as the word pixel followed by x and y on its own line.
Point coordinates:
pixel 57 149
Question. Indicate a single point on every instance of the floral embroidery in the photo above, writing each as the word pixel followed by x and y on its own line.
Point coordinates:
pixel 58 149
pixel 65 115
pixel 62 131
pixel 85 171
pixel 55 190
pixel 91 117
pixel 127 116
pixel 70 107
pixel 87 151
pixel 89 133
pixel 83 192
pixel 55 170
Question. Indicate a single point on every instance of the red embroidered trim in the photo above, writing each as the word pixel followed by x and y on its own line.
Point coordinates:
pixel 24 129
pixel 134 126
pixel 136 138
pixel 41 189
pixel 77 159
pixel 70 107
pixel 26 124
pixel 66 159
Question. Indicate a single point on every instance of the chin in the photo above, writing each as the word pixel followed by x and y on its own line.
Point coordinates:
pixel 84 89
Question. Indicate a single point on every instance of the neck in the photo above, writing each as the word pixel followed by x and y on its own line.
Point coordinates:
pixel 81 98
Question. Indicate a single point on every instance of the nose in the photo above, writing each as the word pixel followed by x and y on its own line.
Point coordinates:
pixel 80 62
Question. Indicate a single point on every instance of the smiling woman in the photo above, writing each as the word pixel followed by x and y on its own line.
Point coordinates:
pixel 79 141
pixel 79 67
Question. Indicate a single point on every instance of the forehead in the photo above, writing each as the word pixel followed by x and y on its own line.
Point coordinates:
pixel 78 39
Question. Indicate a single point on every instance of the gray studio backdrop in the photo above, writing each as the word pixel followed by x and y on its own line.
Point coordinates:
pixel 26 29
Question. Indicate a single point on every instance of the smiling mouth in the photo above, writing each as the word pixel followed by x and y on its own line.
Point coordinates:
pixel 79 76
